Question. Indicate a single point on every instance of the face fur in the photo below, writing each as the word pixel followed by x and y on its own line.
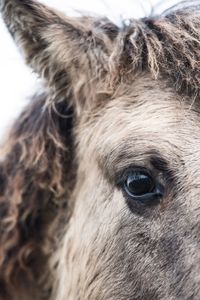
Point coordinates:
pixel 119 247
pixel 100 180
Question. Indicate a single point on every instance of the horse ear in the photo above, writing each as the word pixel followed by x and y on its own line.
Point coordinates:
pixel 35 172
pixel 59 48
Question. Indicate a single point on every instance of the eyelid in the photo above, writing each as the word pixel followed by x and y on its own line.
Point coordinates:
pixel 121 176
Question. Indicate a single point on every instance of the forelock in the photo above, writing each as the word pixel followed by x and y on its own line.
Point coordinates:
pixel 167 45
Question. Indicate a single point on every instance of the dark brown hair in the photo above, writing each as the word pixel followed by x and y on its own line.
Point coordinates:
pixel 38 154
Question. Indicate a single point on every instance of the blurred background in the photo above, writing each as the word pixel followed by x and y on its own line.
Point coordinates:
pixel 17 82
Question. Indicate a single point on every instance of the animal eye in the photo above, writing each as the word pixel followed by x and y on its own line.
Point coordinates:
pixel 141 186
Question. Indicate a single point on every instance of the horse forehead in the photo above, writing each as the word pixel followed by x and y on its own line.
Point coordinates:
pixel 147 104
pixel 150 111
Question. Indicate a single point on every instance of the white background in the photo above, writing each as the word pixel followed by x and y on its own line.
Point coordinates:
pixel 16 80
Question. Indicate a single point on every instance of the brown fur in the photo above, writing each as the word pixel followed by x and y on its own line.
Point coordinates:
pixel 168 45
pixel 33 179
pixel 98 79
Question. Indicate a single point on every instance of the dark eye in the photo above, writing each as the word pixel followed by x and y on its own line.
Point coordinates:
pixel 140 185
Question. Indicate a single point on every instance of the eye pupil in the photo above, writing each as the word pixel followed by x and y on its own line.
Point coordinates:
pixel 138 184
pixel 142 186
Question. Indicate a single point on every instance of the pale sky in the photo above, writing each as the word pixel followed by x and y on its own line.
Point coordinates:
pixel 16 80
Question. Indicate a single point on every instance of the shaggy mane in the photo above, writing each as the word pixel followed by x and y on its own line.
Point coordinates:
pixel 38 171
pixel 167 45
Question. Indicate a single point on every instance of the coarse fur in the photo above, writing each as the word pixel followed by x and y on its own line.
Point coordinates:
pixel 113 98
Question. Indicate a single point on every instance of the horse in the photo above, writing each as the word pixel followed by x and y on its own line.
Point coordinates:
pixel 99 175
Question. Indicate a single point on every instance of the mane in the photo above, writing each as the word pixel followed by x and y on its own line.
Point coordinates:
pixel 166 45
pixel 38 171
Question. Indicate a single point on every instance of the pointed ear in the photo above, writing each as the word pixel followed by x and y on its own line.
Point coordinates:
pixel 58 48
pixel 36 170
